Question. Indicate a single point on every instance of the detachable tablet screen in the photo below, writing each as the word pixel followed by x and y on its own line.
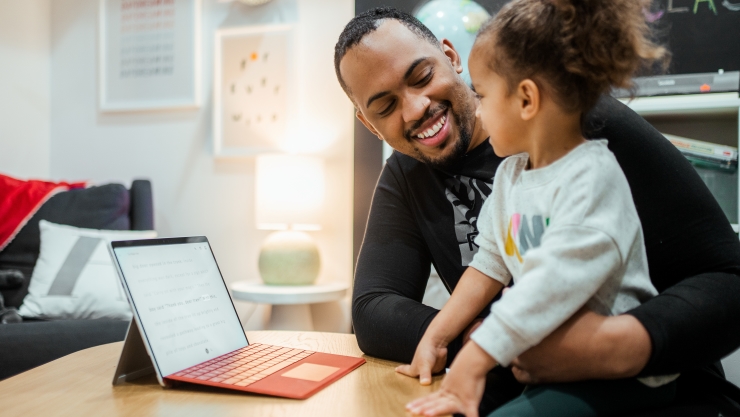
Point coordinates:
pixel 181 301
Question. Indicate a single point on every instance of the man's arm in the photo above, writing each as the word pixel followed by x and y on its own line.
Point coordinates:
pixel 692 324
pixel 698 315
pixel 392 271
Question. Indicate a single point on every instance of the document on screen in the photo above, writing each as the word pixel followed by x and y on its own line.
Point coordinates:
pixel 182 303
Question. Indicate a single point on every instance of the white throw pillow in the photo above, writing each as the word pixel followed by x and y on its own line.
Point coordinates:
pixel 74 276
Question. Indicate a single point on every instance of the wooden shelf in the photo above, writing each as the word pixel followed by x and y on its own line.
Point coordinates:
pixel 689 106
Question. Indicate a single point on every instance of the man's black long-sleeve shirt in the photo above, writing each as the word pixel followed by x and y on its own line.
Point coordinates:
pixel 422 215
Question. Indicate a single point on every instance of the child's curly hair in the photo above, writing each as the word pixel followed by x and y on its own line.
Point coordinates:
pixel 579 49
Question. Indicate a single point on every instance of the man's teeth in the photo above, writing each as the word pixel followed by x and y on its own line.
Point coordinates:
pixel 432 130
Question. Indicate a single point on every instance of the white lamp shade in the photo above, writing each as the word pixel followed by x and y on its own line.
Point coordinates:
pixel 289 192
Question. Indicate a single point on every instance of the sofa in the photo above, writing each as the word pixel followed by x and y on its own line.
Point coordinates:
pixel 33 342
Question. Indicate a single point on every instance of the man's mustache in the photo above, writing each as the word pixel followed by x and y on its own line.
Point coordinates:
pixel 430 113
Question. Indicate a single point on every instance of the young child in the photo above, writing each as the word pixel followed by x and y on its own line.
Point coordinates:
pixel 560 221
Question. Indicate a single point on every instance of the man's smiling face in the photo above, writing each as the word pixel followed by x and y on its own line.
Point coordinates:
pixel 407 91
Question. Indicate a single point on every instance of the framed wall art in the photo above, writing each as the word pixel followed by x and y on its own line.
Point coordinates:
pixel 251 89
pixel 149 54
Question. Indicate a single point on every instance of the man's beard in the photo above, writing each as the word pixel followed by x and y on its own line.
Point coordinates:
pixel 459 148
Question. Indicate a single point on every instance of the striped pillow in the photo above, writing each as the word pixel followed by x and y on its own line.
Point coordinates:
pixel 74 277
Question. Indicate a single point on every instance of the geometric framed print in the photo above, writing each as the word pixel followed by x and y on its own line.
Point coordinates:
pixel 252 84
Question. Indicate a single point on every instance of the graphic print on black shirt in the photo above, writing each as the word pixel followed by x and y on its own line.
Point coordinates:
pixel 467 196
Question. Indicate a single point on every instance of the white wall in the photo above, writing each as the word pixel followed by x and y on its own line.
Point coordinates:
pixel 194 194
pixel 24 88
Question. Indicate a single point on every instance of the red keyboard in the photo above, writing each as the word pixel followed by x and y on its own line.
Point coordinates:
pixel 245 366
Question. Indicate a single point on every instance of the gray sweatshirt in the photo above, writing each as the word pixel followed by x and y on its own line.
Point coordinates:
pixel 568 235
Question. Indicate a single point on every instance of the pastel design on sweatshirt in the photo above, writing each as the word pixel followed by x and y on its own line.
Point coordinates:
pixel 524 234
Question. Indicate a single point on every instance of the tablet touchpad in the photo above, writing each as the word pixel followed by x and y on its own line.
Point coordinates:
pixel 310 372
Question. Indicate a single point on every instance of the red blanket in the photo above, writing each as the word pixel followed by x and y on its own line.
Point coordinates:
pixel 19 201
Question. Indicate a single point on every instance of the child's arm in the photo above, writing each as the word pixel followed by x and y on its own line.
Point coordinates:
pixel 472 293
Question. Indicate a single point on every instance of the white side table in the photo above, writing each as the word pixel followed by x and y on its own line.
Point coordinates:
pixel 291 304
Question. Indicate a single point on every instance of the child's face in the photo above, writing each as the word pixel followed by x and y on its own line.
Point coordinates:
pixel 498 110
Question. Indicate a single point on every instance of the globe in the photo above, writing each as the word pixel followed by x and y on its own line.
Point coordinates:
pixel 455 20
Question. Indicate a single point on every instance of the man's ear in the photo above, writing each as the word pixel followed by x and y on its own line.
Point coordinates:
pixel 363 120
pixel 452 55
pixel 529 97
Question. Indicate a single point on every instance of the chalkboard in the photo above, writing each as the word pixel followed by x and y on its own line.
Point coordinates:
pixel 703 35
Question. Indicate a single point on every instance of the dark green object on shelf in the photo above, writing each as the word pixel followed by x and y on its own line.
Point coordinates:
pixel 721 179
pixel 726 166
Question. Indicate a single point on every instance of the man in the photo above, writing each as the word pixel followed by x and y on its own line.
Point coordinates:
pixel 406 88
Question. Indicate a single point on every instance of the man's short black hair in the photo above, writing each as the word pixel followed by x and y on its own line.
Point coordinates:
pixel 367 22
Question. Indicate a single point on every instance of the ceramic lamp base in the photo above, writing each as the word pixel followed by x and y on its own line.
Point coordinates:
pixel 289 258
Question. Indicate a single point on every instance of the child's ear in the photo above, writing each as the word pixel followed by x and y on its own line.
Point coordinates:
pixel 529 99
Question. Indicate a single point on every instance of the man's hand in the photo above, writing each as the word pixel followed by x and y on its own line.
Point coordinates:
pixel 462 388
pixel 429 358
pixel 587 346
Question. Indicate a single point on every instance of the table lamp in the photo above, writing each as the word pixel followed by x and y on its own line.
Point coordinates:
pixel 289 198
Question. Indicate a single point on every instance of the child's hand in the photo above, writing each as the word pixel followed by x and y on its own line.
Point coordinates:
pixel 462 388
pixel 429 358
pixel 460 393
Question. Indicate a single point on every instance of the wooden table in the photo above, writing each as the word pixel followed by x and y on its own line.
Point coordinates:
pixel 80 384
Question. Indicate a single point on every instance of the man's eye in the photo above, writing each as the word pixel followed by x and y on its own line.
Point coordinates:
pixel 387 109
pixel 425 80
